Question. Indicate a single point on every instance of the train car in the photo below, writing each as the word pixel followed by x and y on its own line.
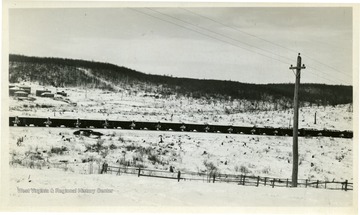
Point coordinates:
pixel 165 126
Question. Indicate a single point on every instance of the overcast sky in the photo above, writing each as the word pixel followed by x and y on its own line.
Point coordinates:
pixel 255 45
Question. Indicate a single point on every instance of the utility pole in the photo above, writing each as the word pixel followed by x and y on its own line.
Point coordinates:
pixel 296 122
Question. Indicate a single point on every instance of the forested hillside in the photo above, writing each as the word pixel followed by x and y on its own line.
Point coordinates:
pixel 69 73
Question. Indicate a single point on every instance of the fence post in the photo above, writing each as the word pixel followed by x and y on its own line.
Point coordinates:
pixel 178 176
pixel 273 183
pixel 325 184
pixel 139 172
pixel 306 183
pixel 317 184
pixel 119 171
pixel 244 179
pixel 287 182
pixel 240 180
pixel 265 181
pixel 346 183
pixel 91 168
pixel 258 179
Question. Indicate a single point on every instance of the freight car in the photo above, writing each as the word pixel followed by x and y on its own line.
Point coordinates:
pixel 165 126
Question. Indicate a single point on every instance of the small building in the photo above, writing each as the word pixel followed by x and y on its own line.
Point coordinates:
pixel 48 95
pixel 39 92
pixel 26 89
pixel 21 94
pixel 13 90
pixel 61 93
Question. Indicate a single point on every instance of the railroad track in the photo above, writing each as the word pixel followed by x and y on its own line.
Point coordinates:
pixel 165 126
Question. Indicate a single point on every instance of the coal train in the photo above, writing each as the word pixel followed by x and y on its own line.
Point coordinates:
pixel 166 126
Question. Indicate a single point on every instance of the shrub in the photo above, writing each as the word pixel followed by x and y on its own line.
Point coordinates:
pixel 113 146
pixel 244 169
pixel 121 139
pixel 58 150
pixel 265 170
pixel 19 141
pixel 130 147
pixel 154 159
pixel 210 166
pixel 145 151
pixel 99 143
pixel 96 147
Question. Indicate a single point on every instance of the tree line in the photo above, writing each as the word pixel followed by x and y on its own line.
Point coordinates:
pixel 64 72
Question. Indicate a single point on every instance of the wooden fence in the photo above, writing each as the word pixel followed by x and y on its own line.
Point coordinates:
pixel 244 180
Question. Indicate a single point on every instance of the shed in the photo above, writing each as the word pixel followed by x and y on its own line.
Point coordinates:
pixel 49 95
pixel 26 89
pixel 39 92
pixel 13 90
pixel 61 93
pixel 21 94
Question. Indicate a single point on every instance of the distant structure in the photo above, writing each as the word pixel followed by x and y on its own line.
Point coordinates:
pixel 132 125
pixel 207 128
pixel 158 126
pixel 21 94
pixel 77 123
pixel 61 93
pixel 183 127
pixel 106 123
pixel 48 95
pixel 19 91
pixel 26 89
pixel 48 122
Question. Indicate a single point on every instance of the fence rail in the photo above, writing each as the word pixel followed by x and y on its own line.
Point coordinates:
pixel 244 180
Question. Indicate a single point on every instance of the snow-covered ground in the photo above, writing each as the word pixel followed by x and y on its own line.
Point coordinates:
pixel 139 106
pixel 133 191
pixel 321 158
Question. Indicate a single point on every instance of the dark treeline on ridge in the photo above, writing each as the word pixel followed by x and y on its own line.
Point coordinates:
pixel 66 73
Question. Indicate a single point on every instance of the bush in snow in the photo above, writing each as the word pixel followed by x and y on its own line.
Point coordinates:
pixel 121 139
pixel 154 159
pixel 266 170
pixel 58 150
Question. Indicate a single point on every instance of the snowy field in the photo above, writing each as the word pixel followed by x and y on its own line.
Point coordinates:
pixel 320 158
pixel 38 155
pixel 139 106
pixel 131 191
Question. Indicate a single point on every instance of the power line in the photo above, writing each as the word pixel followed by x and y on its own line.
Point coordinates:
pixel 244 32
pixel 328 66
pixel 218 39
pixel 311 73
pixel 206 29
pixel 212 37
pixel 233 39
pixel 324 74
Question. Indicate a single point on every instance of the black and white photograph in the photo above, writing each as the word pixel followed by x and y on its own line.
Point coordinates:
pixel 204 107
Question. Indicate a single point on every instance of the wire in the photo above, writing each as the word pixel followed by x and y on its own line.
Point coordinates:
pixel 212 37
pixel 233 39
pixel 206 29
pixel 324 73
pixel 311 73
pixel 236 29
pixel 218 39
